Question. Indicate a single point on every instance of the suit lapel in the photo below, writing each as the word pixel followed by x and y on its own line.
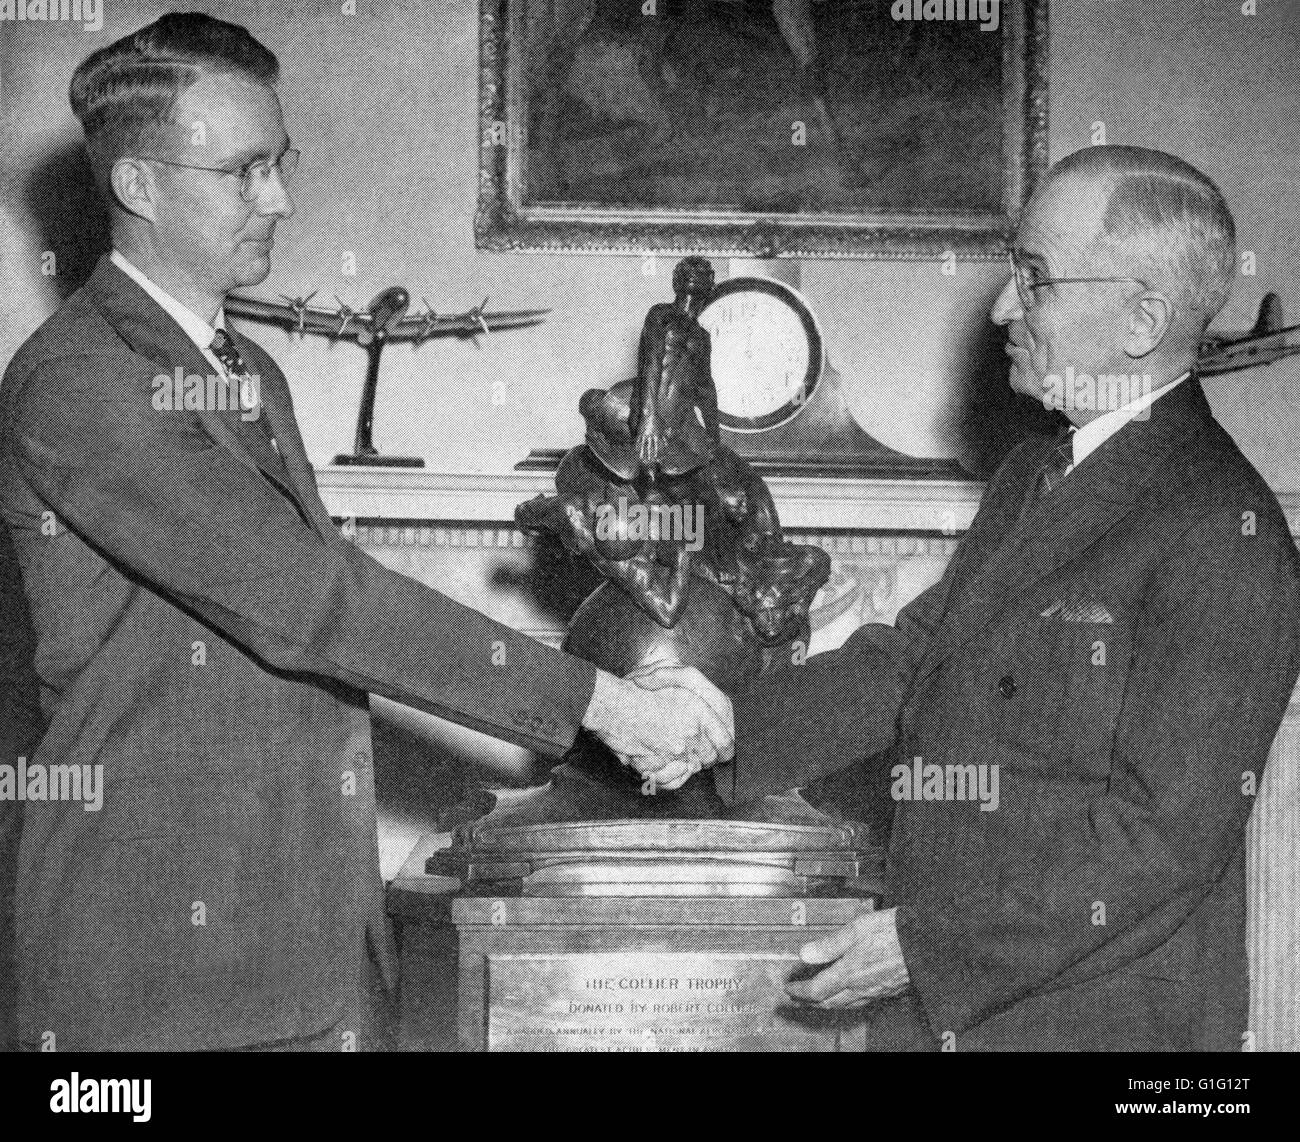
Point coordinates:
pixel 277 407
pixel 1023 550
pixel 151 333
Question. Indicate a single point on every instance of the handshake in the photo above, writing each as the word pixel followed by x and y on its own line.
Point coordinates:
pixel 666 720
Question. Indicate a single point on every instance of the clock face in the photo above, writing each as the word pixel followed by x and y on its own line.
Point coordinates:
pixel 766 353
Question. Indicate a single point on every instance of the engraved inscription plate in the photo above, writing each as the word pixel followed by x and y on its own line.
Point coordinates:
pixel 647 1001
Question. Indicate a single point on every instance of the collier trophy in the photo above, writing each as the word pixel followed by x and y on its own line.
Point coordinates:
pixel 596 877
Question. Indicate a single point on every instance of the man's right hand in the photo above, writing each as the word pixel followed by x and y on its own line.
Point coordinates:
pixel 667 733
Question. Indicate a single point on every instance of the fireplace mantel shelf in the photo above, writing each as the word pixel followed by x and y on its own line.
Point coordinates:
pixel 944 507
pixel 804 503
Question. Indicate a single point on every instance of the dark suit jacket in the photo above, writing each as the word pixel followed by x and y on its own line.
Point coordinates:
pixel 1120 777
pixel 205 634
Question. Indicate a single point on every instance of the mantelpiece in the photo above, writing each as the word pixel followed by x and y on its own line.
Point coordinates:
pixel 941 507
pixel 888 540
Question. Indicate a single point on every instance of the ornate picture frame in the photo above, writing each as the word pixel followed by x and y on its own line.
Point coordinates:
pixel 698 129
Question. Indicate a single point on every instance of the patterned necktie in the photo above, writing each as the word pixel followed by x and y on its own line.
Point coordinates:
pixel 224 349
pixel 1052 474
pixel 1058 463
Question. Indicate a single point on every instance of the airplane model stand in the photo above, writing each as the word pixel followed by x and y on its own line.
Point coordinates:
pixel 385 320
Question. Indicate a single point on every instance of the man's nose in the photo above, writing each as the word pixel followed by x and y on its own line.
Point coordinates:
pixel 275 197
pixel 1007 307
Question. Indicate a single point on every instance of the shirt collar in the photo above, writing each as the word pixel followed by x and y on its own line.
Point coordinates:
pixel 195 328
pixel 1095 433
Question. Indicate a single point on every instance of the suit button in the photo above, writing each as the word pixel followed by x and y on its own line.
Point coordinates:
pixel 1006 685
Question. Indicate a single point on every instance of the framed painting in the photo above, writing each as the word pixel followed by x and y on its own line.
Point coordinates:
pixel 762 128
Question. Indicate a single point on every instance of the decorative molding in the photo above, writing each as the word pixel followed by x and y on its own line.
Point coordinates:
pixel 466 537
pixel 471 537
pixel 939 509
pixel 885 546
pixel 421 495
pixel 942 508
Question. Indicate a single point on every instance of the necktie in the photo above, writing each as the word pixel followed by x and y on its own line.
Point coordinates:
pixel 1058 463
pixel 224 349
pixel 1051 475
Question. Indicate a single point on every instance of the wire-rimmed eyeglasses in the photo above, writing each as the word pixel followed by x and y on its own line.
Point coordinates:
pixel 253 176
pixel 1027 286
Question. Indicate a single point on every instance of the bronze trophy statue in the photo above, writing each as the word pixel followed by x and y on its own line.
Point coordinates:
pixel 697 572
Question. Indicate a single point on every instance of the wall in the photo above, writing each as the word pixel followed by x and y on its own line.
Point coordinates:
pixel 384 108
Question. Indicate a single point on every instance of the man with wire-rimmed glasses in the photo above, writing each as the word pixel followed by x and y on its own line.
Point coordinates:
pixel 205 639
pixel 1116 639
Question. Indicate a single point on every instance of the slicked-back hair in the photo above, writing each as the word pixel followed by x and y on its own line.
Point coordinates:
pixel 123 94
pixel 1166 213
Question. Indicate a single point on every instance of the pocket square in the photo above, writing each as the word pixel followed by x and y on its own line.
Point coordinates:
pixel 1077 611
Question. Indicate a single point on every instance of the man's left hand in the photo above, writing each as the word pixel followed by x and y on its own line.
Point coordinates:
pixel 864 963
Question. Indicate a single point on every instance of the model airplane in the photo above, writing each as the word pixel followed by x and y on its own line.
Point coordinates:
pixel 1265 343
pixel 387 312
pixel 386 318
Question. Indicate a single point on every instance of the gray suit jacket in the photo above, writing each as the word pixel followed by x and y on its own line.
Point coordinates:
pixel 1124 653
pixel 206 636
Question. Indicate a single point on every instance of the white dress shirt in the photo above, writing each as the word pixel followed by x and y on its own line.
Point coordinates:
pixel 1095 433
pixel 196 329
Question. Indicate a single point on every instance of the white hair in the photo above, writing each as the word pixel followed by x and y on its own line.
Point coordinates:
pixel 1167 215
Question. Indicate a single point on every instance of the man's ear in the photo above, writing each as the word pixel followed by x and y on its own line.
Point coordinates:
pixel 1148 322
pixel 134 188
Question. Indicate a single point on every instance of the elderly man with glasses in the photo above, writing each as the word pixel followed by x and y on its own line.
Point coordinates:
pixel 1115 639
pixel 205 639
